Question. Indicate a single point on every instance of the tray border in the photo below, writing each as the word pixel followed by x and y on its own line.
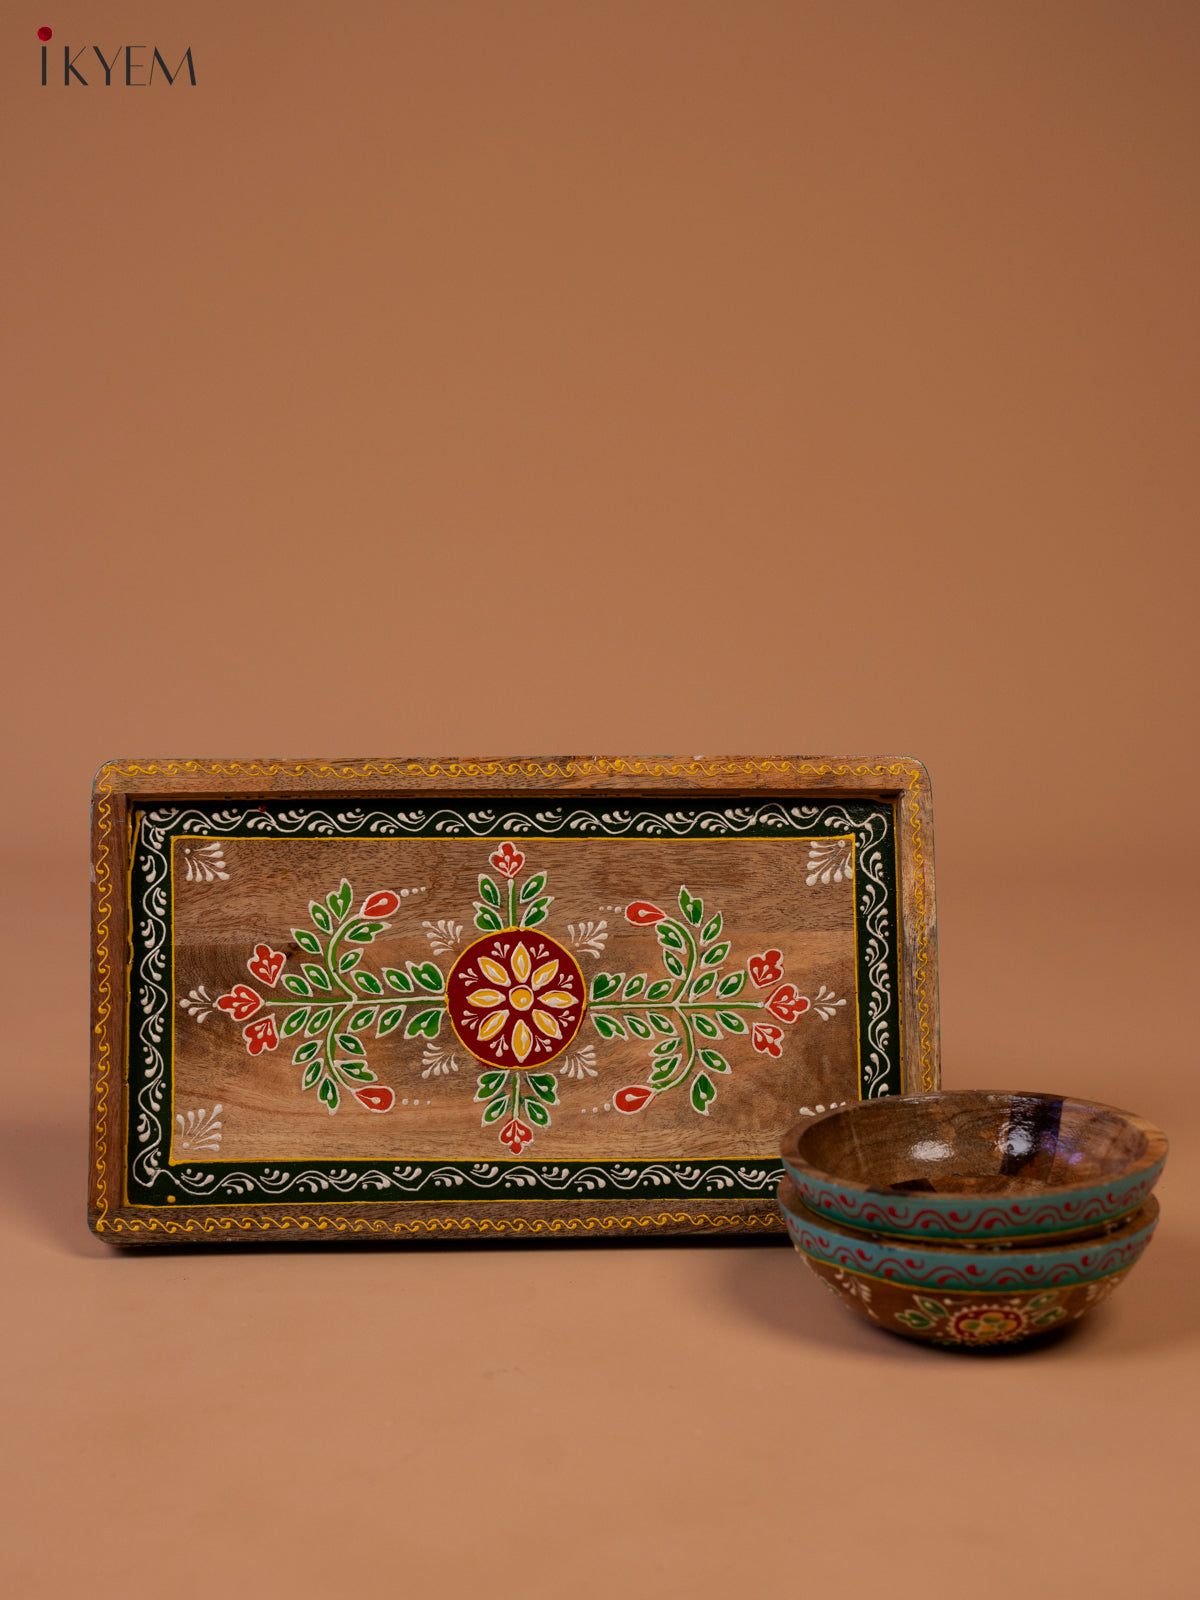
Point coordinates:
pixel 899 779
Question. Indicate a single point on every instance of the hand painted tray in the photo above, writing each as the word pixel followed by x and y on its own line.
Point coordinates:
pixel 424 999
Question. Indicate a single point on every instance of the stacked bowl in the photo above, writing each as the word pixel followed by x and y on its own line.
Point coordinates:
pixel 972 1218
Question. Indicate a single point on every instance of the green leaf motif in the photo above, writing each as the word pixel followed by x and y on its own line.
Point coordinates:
pixel 389 1022
pixel 665 1047
pixel 487 919
pixel 296 985
pixel 351 1045
pixel 537 1113
pixel 339 901
pixel 638 1027
pixel 368 983
pixel 669 936
pixel 692 908
pixel 703 1093
pixel 606 983
pixel 712 929
pixel 913 1319
pixel 635 986
pixel 706 1026
pixel 714 1061
pixel 496 1110
pixel 318 1020
pixel 362 1019
pixel 306 1052
pixel 544 1086
pixel 731 1020
pixel 317 976
pixel 731 985
pixel 715 956
pixel 534 887
pixel 320 916
pixel 536 913
pixel 703 984
pixel 330 1094
pixel 398 980
pixel 307 941
pixel 364 932
pixel 349 960
pixel 930 1307
pixel 489 890
pixel 664 1070
pixel 426 1023
pixel 659 990
pixel 607 1027
pixel 663 1024
pixel 427 975
pixel 672 964
pixel 490 1083
pixel 311 1074
pixel 355 1070
pixel 294 1023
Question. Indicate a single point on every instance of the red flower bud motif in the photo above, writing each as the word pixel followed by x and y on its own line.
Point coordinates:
pixel 633 1098
pixel 376 1098
pixel 788 1003
pixel 767 1039
pixel 266 964
pixel 508 861
pixel 765 969
pixel 642 914
pixel 241 1002
pixel 380 904
pixel 516 1135
pixel 260 1035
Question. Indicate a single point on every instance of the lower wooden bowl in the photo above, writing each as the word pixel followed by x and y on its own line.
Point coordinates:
pixel 961 1295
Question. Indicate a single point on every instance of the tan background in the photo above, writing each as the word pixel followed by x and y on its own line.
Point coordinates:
pixel 618 377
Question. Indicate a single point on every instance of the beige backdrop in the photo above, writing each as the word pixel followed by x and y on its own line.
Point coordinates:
pixel 504 376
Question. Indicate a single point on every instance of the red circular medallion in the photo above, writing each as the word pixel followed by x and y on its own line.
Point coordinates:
pixel 516 999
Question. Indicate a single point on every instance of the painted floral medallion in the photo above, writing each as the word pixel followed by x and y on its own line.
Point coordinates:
pixel 515 1003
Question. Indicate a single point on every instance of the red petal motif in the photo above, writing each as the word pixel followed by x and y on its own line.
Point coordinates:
pixel 641 913
pixel 241 1002
pixel 766 969
pixel 380 904
pixel 767 1039
pixel 266 964
pixel 788 1003
pixel 508 861
pixel 633 1098
pixel 377 1097
pixel 516 1135
pixel 260 1035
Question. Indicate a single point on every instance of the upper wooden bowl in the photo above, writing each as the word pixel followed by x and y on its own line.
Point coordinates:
pixel 974 1165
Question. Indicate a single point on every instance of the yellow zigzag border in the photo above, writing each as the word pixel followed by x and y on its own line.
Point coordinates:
pixel 597 766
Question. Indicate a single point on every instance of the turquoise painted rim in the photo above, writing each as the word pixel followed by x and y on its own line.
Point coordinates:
pixel 920 1265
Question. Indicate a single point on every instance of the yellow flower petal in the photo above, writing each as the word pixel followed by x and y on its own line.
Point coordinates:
pixel 544 973
pixel 558 999
pixel 548 1025
pixel 493 970
pixel 522 1041
pixel 521 964
pixel 485 999
pixel 492 1025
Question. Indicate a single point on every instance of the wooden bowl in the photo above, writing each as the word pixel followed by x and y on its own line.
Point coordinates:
pixel 965 1295
pixel 970 1164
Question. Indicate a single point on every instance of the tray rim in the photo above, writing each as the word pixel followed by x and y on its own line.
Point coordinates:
pixel 900 779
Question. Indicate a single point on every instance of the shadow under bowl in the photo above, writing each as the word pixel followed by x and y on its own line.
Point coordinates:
pixel 964 1296
pixel 975 1164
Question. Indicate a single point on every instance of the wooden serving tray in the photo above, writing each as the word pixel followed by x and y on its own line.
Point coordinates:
pixel 569 997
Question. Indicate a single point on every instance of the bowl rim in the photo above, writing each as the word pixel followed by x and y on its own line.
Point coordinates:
pixel 1142 1216
pixel 942 1199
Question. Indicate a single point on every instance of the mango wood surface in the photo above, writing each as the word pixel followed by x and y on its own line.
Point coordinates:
pixel 767 1014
